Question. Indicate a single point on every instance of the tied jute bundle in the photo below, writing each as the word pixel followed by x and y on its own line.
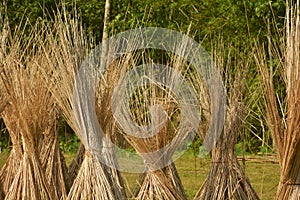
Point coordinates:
pixel 227 178
pixel 153 112
pixel 30 101
pixel 64 57
pixel 283 49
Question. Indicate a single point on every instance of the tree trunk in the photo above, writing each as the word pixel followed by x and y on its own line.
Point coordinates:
pixel 106 20
pixel 4 27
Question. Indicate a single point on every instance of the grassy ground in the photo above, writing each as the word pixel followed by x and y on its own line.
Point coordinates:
pixel 262 171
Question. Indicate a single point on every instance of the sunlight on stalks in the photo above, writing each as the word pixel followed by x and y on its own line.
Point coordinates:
pixel 284 126
pixel 227 179
pixel 31 104
pixel 64 57
pixel 152 116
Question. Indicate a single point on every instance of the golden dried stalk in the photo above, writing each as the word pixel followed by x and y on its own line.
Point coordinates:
pixel 11 166
pixel 32 106
pixel 283 117
pixel 152 104
pixel 53 162
pixel 76 162
pixel 227 179
pixel 63 61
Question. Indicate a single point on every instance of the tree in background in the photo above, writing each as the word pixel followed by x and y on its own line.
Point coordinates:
pixel 238 22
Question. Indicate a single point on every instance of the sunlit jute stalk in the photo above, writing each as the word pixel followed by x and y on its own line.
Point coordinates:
pixel 227 179
pixel 53 162
pixel 64 57
pixel 153 107
pixel 11 166
pixel 30 101
pixel 282 115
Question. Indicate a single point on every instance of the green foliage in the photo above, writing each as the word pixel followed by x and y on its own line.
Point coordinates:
pixel 127 153
pixel 203 153
pixel 92 12
pixel 239 23
pixel 69 143
pixel 196 146
pixel 5 142
pixel 30 10
pixel 240 149
pixel 266 150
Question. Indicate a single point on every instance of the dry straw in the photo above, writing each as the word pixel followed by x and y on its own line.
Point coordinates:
pixel 153 105
pixel 76 162
pixel 282 115
pixel 11 165
pixel 63 59
pixel 227 179
pixel 52 160
pixel 164 182
pixel 30 102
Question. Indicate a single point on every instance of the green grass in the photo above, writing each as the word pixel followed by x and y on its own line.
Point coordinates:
pixel 192 171
pixel 264 175
pixel 3 157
